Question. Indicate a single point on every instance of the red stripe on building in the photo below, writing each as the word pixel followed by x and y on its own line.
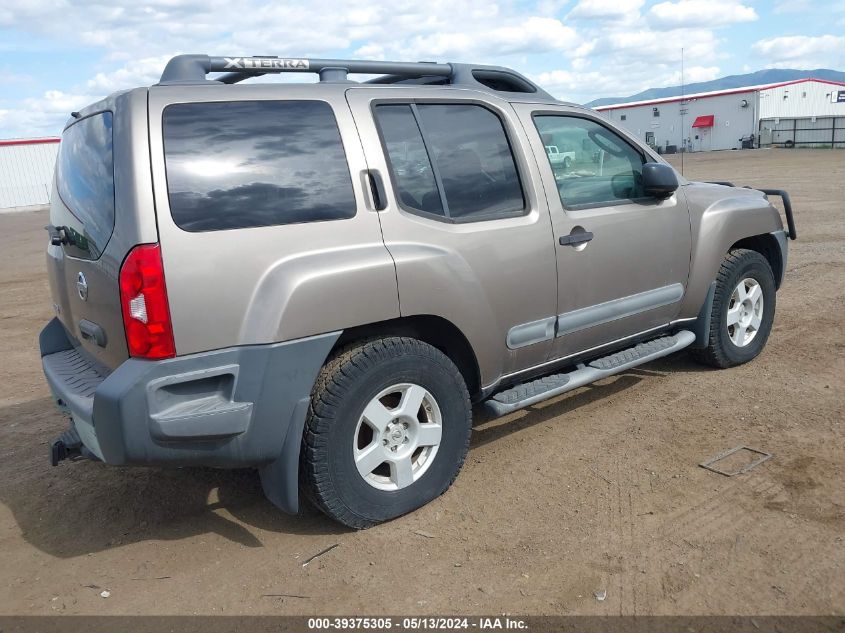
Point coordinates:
pixel 28 141
pixel 707 95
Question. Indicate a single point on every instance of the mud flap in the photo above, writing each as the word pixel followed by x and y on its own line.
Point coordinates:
pixel 280 478
pixel 701 328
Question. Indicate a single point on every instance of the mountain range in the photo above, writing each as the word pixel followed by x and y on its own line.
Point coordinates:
pixel 767 76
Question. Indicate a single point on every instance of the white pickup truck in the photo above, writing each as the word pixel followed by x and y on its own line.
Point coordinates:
pixel 559 158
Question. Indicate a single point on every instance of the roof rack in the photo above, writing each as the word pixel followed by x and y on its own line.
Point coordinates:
pixel 188 69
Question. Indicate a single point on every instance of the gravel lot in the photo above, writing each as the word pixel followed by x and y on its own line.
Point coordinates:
pixel 598 490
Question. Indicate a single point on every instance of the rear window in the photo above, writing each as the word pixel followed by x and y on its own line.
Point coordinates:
pixel 255 163
pixel 85 182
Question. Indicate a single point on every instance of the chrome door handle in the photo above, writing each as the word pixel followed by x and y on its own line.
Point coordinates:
pixel 574 239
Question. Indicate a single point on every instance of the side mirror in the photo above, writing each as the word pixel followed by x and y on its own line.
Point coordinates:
pixel 659 180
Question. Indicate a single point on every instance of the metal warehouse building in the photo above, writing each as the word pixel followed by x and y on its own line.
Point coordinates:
pixel 26 171
pixel 803 113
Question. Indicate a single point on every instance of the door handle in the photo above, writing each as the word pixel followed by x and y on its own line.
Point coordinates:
pixel 574 239
pixel 90 331
pixel 377 189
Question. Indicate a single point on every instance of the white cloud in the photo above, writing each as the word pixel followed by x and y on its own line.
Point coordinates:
pixel 580 64
pixel 700 13
pixel 793 6
pixel 141 72
pixel 12 13
pixel 535 34
pixel 135 40
pixel 802 51
pixel 626 58
pixel 42 116
pixel 693 74
pixel 466 40
pixel 600 47
pixel 570 85
pixel 370 51
pixel 54 101
pixel 12 75
pixel 586 49
pixel 643 46
pixel 551 7
pixel 701 73
pixel 404 29
pixel 606 9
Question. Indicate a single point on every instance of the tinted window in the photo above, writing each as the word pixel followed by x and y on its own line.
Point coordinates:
pixel 474 159
pixel 85 181
pixel 462 146
pixel 255 163
pixel 592 165
pixel 415 184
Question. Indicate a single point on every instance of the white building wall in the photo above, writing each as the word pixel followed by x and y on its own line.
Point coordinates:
pixel 735 116
pixel 26 173
pixel 801 100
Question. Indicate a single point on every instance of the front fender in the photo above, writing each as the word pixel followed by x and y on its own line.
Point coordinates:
pixel 720 217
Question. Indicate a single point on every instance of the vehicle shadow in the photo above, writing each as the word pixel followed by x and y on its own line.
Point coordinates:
pixel 84 506
pixel 487 429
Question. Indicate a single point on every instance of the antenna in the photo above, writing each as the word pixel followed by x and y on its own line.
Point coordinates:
pixel 683 110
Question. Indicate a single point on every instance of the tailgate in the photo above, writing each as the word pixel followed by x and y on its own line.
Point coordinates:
pixel 95 219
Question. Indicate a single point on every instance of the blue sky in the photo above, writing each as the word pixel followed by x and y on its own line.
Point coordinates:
pixel 58 55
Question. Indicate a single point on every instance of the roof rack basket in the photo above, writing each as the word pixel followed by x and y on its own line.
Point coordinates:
pixel 187 69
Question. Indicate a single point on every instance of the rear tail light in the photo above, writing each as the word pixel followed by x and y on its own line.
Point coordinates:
pixel 143 299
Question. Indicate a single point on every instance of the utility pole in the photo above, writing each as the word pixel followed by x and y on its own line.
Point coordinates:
pixel 683 112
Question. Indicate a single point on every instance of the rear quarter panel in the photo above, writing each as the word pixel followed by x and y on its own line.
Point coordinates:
pixel 276 283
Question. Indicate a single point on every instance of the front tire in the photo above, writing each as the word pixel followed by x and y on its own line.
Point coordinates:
pixel 743 310
pixel 387 431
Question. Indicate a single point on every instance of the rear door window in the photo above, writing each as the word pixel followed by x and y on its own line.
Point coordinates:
pixel 451 160
pixel 246 164
pixel 409 161
pixel 85 183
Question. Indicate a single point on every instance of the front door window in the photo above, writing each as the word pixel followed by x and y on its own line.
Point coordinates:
pixel 592 165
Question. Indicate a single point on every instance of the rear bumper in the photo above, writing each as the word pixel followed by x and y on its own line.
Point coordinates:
pixel 230 408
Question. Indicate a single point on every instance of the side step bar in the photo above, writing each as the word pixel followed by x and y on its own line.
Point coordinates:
pixel 529 393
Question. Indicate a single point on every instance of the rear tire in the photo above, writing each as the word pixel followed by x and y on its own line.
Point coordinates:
pixel 387 431
pixel 743 310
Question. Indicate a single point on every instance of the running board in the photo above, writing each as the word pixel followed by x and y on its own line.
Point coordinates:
pixel 529 393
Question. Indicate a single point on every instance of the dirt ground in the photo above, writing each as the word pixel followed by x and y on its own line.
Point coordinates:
pixel 597 490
